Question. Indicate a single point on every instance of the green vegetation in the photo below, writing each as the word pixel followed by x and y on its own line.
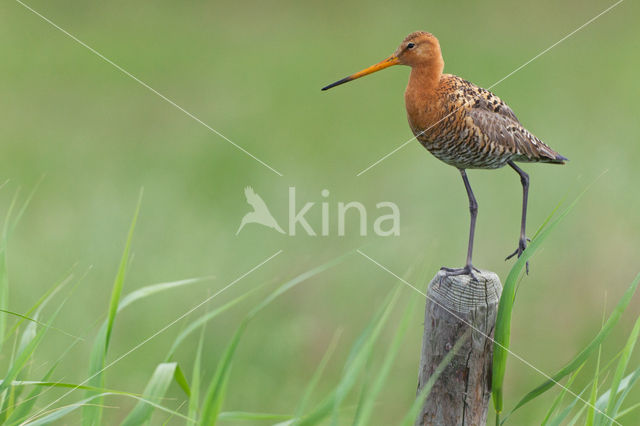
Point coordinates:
pixel 16 410
pixel 253 71
pixel 208 409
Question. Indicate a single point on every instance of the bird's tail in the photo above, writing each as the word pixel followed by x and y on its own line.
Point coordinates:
pixel 560 159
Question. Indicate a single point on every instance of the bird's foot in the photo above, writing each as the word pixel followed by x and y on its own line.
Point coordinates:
pixel 467 270
pixel 522 244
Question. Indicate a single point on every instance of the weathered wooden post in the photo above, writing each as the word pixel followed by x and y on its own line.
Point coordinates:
pixel 455 305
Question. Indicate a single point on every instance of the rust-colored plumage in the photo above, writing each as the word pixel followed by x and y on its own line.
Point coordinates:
pixel 462 124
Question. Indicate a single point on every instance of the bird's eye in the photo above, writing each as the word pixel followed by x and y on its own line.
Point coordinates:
pixel 411 45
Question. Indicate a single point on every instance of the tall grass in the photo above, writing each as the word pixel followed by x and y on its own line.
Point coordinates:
pixel 596 413
pixel 205 399
pixel 354 399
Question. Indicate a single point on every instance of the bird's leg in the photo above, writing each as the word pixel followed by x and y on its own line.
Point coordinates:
pixel 522 243
pixel 473 210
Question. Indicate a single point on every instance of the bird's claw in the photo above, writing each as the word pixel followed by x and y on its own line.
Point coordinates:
pixel 467 270
pixel 522 245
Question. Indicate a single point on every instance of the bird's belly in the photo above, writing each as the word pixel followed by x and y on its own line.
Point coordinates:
pixel 462 152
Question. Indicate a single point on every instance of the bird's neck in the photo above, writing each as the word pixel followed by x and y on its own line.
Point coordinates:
pixel 421 91
pixel 425 78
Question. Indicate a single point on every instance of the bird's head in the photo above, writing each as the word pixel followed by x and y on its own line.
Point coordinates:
pixel 419 48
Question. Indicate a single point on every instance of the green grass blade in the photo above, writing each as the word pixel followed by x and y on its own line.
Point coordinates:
pixel 66 385
pixel 622 367
pixel 4 277
pixel 246 416
pixel 588 350
pixel 591 412
pixel 295 281
pixel 8 404
pixel 575 418
pixel 557 421
pixel 25 354
pixel 214 397
pixel 21 412
pixel 7 229
pixel 31 329
pixel 558 400
pixel 600 404
pixel 92 414
pixel 217 388
pixel 170 416
pixel 4 296
pixel 365 388
pixel 505 308
pixel 24 407
pixel 18 364
pixel 626 384
pixel 304 401
pixel 11 226
pixel 194 398
pixel 8 225
pixel 359 360
pixel 28 335
pixel 152 289
pixel 118 283
pixel 92 410
pixel 181 381
pixel 97 355
pixel 385 369
pixel 201 321
pixel 546 221
pixel 418 403
pixel 356 360
pixel 565 390
pixel 627 411
pixel 60 412
pixel 156 390
pixel 46 296
pixel 24 317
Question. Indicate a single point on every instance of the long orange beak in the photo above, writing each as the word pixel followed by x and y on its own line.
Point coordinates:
pixel 391 60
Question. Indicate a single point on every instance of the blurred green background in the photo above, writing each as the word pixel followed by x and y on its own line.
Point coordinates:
pixel 253 70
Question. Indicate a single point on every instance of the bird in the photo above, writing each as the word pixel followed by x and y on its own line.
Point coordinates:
pixel 463 125
pixel 260 213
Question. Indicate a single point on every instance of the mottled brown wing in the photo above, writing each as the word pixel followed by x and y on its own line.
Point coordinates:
pixel 502 130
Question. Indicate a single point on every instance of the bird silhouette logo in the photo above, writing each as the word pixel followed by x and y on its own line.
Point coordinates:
pixel 260 213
